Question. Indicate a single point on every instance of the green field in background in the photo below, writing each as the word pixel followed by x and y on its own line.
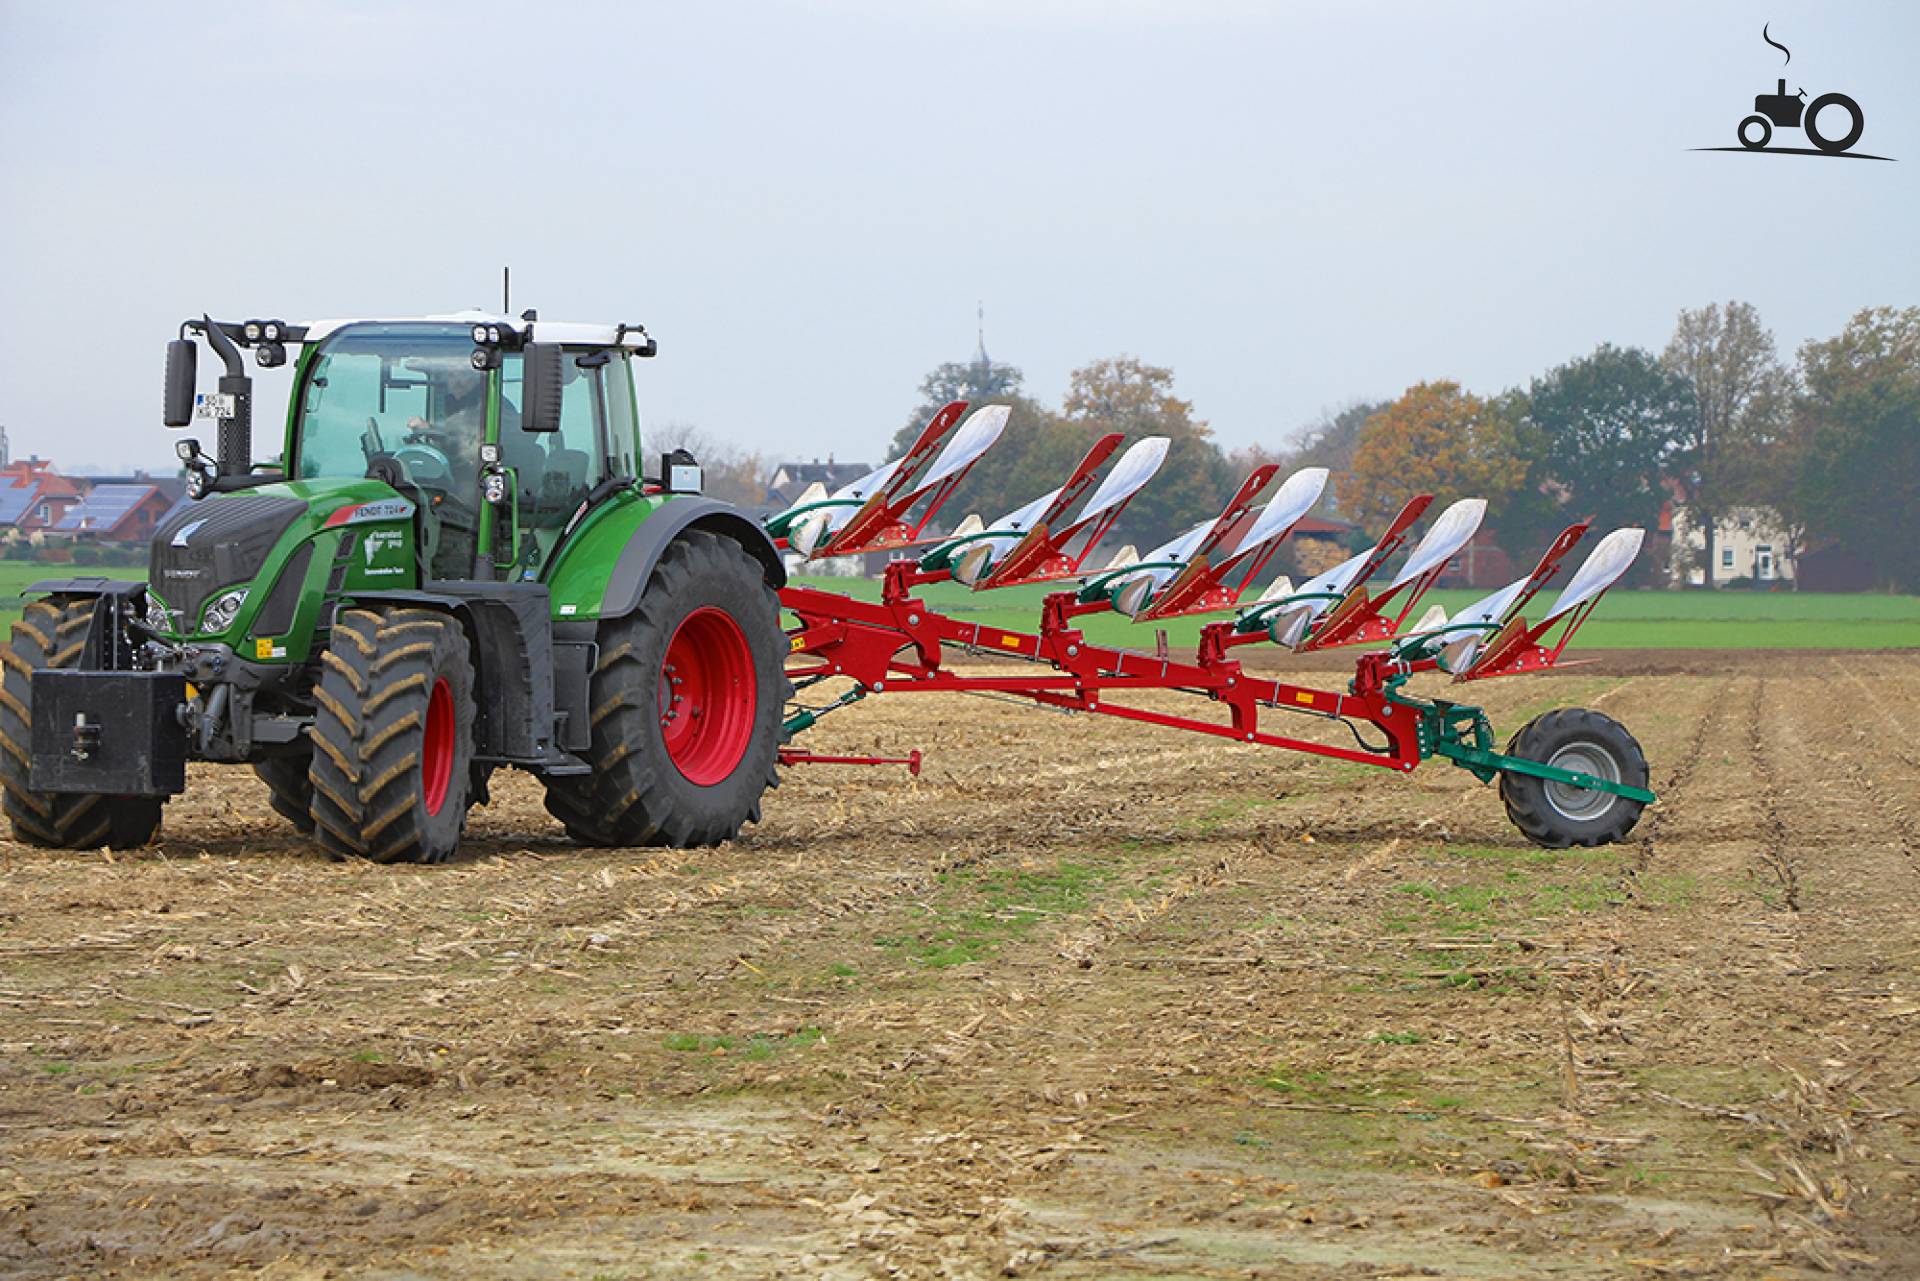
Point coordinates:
pixel 1625 620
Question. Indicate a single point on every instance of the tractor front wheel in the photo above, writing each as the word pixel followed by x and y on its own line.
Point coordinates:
pixel 1755 132
pixel 687 704
pixel 289 789
pixel 1557 815
pixel 393 736
pixel 52 633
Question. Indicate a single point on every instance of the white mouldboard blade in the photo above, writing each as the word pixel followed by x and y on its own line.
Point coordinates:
pixel 1279 589
pixel 1457 524
pixel 1601 570
pixel 1133 594
pixel 970 564
pixel 1021 518
pixel 1181 546
pixel 811 530
pixel 975 437
pixel 1336 581
pixel 1135 468
pixel 868 484
pixel 1297 495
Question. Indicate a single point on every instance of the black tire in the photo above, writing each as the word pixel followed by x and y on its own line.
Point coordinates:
pixel 1766 133
pixel 637 794
pixel 1555 815
pixel 51 633
pixel 1810 122
pixel 289 790
pixel 392 732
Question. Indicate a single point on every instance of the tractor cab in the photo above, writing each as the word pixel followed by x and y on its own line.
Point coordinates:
pixel 1781 107
pixel 438 410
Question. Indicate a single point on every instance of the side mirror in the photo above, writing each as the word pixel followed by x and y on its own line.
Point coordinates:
pixel 182 353
pixel 540 386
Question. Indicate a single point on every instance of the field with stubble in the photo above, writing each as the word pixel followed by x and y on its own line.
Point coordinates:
pixel 1086 999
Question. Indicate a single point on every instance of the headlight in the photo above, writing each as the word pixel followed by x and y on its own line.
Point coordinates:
pixel 159 617
pixel 222 609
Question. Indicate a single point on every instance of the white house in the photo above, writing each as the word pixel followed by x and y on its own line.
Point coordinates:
pixel 1748 542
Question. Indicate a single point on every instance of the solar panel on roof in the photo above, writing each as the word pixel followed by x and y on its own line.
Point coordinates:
pixel 13 504
pixel 103 508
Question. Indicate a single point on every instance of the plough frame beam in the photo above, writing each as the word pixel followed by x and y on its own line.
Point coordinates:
pixel 897 643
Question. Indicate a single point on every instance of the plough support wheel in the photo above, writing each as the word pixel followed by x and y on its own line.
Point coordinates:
pixel 1557 814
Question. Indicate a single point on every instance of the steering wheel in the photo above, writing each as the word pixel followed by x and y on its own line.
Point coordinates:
pixel 426 463
pixel 433 436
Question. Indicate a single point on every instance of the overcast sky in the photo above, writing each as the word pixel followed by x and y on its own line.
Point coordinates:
pixel 1294 206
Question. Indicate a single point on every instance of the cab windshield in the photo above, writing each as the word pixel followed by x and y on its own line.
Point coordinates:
pixel 406 390
pixel 402 401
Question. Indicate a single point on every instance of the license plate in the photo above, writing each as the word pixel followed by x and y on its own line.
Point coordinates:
pixel 218 404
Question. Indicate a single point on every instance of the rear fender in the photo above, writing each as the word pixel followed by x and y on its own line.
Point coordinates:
pixel 649 540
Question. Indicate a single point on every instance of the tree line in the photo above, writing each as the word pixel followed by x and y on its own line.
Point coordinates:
pixel 1715 422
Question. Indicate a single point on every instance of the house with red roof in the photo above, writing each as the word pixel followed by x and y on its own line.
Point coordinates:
pixel 34 496
pixel 116 513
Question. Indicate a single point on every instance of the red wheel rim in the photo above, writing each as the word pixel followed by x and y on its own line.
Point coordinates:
pixel 707 696
pixel 436 749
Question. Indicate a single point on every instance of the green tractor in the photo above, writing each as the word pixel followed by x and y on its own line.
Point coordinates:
pixel 455 564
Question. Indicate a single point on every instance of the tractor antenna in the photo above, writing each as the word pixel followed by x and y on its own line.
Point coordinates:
pixel 506 291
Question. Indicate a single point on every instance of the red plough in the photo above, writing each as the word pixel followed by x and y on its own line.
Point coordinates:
pixel 1572 777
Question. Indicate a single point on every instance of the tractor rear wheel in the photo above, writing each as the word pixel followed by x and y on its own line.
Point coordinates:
pixel 393 736
pixel 687 704
pixel 1557 815
pixel 52 633
pixel 1856 122
pixel 289 790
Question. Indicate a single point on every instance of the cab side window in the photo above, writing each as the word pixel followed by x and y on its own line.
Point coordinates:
pixel 623 431
pixel 554 471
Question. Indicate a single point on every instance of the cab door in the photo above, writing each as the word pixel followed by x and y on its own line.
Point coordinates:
pixel 553 471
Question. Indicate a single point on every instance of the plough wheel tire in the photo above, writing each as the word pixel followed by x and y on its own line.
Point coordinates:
pixel 1556 815
pixel 289 790
pixel 691 772
pixel 392 736
pixel 50 634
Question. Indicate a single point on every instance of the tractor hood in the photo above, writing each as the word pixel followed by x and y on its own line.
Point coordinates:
pixel 245 539
pixel 219 542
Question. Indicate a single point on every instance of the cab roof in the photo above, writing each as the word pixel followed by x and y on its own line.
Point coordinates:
pixel 568 332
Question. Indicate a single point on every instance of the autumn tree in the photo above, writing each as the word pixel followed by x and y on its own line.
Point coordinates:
pixel 1328 442
pixel 1127 395
pixel 1435 439
pixel 1741 408
pixel 1610 425
pixel 1859 424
